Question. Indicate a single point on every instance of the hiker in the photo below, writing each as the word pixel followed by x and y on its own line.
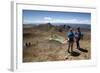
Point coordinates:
pixel 78 36
pixel 70 36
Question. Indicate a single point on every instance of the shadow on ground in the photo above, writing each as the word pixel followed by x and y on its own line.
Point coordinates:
pixel 75 54
pixel 83 50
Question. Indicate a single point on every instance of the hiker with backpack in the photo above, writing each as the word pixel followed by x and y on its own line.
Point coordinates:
pixel 78 35
pixel 70 40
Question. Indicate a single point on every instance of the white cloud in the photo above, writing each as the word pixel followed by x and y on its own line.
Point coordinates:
pixel 84 21
pixel 71 21
pixel 47 18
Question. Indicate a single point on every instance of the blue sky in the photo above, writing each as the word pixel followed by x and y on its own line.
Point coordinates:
pixel 35 16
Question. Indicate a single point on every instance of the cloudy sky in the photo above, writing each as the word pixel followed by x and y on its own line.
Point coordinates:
pixel 34 16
